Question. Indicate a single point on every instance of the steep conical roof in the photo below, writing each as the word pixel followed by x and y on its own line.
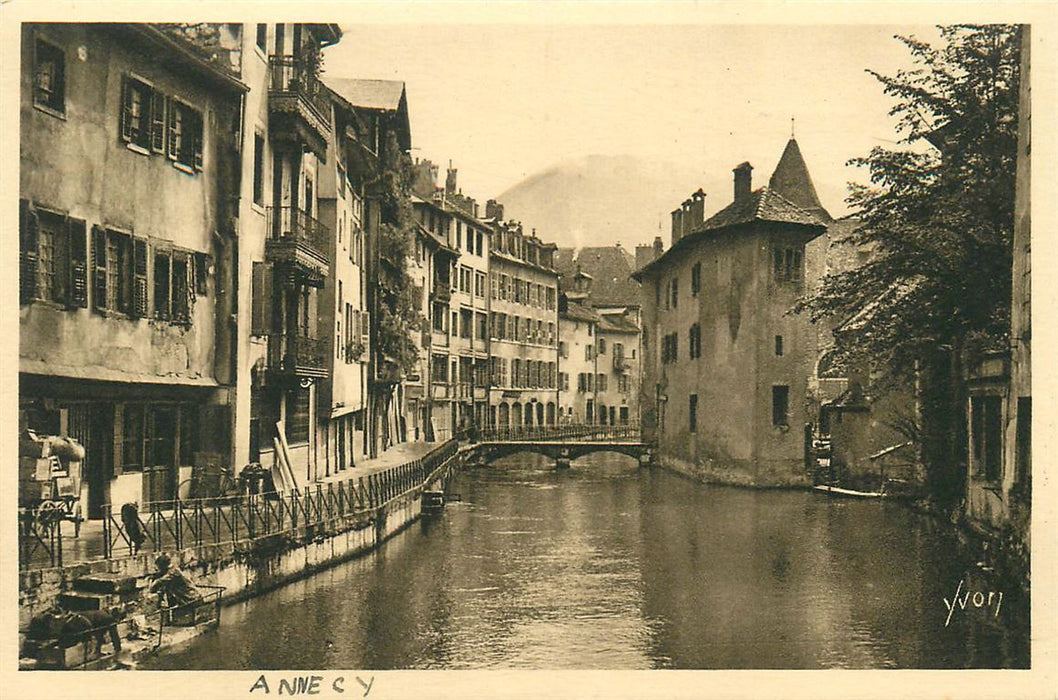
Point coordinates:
pixel 792 181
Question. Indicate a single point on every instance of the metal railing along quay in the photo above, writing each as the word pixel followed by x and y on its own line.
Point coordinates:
pixel 578 432
pixel 182 523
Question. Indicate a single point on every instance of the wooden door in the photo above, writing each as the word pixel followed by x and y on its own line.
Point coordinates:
pixel 159 471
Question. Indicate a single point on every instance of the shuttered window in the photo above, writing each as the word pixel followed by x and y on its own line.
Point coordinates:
pixel 140 304
pixel 261 311
pixel 49 78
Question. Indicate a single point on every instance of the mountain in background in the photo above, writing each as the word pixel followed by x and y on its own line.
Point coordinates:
pixel 600 200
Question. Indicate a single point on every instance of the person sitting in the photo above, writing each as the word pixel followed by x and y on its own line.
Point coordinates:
pixel 174 587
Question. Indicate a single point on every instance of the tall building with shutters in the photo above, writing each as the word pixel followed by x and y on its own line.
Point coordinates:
pixel 725 389
pixel 286 248
pixel 128 228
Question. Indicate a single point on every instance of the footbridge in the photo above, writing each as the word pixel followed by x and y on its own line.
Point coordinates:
pixel 562 443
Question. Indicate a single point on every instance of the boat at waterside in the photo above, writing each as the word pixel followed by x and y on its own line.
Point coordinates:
pixel 848 493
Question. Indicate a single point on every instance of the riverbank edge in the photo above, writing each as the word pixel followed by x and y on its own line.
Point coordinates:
pixel 297 555
pixel 998 551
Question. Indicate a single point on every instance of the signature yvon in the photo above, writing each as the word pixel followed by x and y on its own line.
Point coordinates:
pixel 975 599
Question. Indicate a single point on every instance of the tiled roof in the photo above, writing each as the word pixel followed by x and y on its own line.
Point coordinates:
pixel 764 204
pixel 579 312
pixel 368 94
pixel 618 324
pixel 610 268
pixel 792 181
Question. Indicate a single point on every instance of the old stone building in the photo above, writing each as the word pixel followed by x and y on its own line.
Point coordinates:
pixel 285 248
pixel 726 369
pixel 384 133
pixel 128 231
pixel 600 279
pixel 523 326
pixel 577 354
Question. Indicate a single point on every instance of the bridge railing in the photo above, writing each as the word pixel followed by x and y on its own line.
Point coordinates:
pixel 578 432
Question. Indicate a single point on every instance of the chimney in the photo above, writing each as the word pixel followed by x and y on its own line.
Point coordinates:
pixel 697 212
pixel 659 247
pixel 685 218
pixel 743 181
pixel 677 225
pixel 493 210
pixel 450 181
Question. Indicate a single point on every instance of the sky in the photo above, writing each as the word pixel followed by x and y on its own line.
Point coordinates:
pixel 503 102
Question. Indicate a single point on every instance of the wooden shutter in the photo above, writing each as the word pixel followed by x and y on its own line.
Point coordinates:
pixel 171 150
pixel 99 268
pixel 365 328
pixel 157 121
pixel 261 311
pixel 197 136
pixel 78 296
pixel 28 227
pixel 139 278
pixel 60 233
pixel 126 110
pixel 202 265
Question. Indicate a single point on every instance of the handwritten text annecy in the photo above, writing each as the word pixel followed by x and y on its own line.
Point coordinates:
pixel 309 685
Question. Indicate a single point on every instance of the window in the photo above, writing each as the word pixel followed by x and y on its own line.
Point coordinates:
pixel 694 344
pixel 185 136
pixel 588 353
pixel 138 126
pixel 987 436
pixel 481 240
pixel 696 279
pixel 692 413
pixel 261 299
pixel 563 350
pixel 181 296
pixel 459 234
pixel 49 77
pixel 669 348
pixel 602 346
pixel 258 167
pixel 778 346
pixel 297 415
pixel 675 292
pixel 563 381
pixel 440 369
pixel 623 383
pixel 132 438
pixel 162 272
pixel 479 284
pixel 601 382
pixel 466 323
pixel 787 265
pixel 262 36
pixel 52 257
pixel 483 326
pixel 780 405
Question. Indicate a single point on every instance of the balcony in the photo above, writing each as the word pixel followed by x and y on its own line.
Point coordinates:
pixel 298 103
pixel 295 355
pixel 442 291
pixel 621 364
pixel 297 239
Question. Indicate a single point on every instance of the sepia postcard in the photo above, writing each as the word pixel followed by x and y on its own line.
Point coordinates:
pixel 518 349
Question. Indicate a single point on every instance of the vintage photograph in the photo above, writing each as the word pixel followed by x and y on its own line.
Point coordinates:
pixel 465 346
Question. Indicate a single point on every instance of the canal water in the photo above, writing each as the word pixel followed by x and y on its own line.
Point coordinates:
pixel 609 566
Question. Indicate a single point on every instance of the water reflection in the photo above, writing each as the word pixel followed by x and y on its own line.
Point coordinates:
pixel 610 566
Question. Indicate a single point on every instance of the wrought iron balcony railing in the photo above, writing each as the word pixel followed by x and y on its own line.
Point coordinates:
pixel 291 227
pixel 291 353
pixel 293 76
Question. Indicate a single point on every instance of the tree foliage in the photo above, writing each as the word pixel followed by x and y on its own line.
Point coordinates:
pixel 938 222
pixel 398 318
